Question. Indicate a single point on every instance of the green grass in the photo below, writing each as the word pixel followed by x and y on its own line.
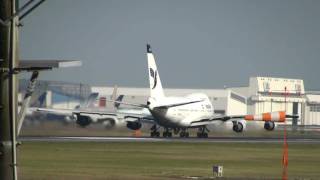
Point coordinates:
pixel 163 160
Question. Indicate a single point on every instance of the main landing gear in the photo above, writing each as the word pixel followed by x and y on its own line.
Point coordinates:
pixel 154 131
pixel 184 133
pixel 167 133
pixel 202 132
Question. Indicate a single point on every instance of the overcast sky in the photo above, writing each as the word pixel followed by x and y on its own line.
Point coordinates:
pixel 197 43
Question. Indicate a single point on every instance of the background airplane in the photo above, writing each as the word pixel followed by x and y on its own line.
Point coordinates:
pixel 86 113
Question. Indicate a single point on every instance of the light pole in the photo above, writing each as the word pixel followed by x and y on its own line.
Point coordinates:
pixel 8 89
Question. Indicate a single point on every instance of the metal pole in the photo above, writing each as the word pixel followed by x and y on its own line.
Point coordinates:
pixel 8 56
pixel 13 84
pixel 26 100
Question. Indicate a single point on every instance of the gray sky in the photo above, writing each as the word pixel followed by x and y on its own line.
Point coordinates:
pixel 198 43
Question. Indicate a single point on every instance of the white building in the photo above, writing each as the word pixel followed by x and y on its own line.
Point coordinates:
pixel 268 94
pixel 311 109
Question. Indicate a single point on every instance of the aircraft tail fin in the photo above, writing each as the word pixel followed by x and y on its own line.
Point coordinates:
pixel 119 99
pixel 115 97
pixel 114 92
pixel 89 101
pixel 156 90
pixel 40 101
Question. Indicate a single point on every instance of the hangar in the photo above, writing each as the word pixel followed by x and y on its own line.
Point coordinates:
pixel 267 94
pixel 311 110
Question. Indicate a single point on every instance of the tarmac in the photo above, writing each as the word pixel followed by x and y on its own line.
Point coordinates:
pixel 173 139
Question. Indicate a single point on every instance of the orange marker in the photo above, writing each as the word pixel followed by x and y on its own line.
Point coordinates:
pixel 266 116
pixel 274 116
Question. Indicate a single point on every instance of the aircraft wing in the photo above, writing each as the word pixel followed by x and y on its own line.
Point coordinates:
pixel 178 104
pixel 133 115
pixel 127 103
pixel 142 119
pixel 64 112
pixel 70 112
pixel 126 115
pixel 280 116
pixel 159 106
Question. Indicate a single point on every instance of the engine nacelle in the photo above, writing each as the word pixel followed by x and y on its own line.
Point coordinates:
pixel 83 121
pixel 134 125
pixel 237 126
pixel 269 125
pixel 69 119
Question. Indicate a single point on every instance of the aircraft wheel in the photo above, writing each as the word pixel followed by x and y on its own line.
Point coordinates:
pixel 165 134
pixel 157 134
pixel 182 134
pixel 169 134
pixel 205 135
pixel 186 135
pixel 198 135
pixel 202 135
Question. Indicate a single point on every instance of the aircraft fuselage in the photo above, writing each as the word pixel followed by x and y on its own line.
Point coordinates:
pixel 182 116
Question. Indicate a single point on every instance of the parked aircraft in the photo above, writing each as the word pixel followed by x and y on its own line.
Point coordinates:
pixel 86 113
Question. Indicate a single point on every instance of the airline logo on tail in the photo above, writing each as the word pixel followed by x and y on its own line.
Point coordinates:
pixel 153 74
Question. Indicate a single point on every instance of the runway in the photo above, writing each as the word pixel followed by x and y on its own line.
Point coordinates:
pixel 185 140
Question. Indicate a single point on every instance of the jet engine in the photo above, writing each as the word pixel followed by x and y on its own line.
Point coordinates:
pixel 237 126
pixel 83 121
pixel 70 119
pixel 134 125
pixel 269 125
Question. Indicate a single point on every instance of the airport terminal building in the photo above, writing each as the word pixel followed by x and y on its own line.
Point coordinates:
pixel 263 94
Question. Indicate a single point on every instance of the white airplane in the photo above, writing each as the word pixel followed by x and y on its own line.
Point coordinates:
pixel 86 113
pixel 192 111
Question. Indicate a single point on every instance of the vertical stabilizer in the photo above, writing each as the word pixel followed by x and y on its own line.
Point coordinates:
pixel 89 101
pixel 119 99
pixel 156 90
pixel 114 92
